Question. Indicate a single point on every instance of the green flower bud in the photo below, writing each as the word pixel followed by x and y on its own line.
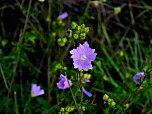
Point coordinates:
pixel 121 53
pixel 126 106
pixel 79 28
pixel 74 25
pixel 117 10
pixel 69 108
pixel 62 109
pixel 105 78
pixel 64 68
pixel 62 44
pixel 87 75
pixel 53 34
pixel 110 101
pixel 59 40
pixel 60 22
pixel 105 97
pixel 83 26
pixel 58 66
pixel 75 36
pixel 4 42
pixel 83 108
pixel 113 103
pixel 86 29
pixel 64 39
pixel 82 36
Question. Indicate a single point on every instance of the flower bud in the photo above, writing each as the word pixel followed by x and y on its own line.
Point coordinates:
pixel 64 39
pixel 82 36
pixel 113 103
pixel 105 97
pixel 75 36
pixel 74 25
pixel 86 29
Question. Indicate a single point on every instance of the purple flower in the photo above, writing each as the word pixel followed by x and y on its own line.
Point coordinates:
pixel 82 56
pixel 36 91
pixel 64 83
pixel 138 76
pixel 69 30
pixel 86 79
pixel 87 93
pixel 63 15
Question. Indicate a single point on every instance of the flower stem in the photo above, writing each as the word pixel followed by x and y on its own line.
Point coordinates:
pixel 76 104
pixel 15 103
pixel 80 86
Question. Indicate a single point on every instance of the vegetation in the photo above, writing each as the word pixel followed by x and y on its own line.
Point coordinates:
pixel 36 40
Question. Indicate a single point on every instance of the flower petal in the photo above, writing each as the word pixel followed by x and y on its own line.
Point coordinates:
pixel 87 93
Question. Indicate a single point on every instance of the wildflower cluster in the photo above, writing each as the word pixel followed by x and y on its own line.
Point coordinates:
pixel 62 41
pixel 78 31
pixel 63 83
pixel 66 110
pixel 75 32
pixel 82 57
pixel 108 100
pixel 69 109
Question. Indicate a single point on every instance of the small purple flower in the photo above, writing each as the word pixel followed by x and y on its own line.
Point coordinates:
pixel 137 76
pixel 36 90
pixel 86 79
pixel 69 30
pixel 63 15
pixel 87 93
pixel 82 56
pixel 63 83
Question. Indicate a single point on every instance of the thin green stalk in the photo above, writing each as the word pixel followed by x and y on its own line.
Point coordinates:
pixel 106 35
pixel 15 103
pixel 76 104
pixel 3 77
pixel 131 14
pixel 111 61
pixel 48 77
pixel 80 87
pixel 49 14
pixel 130 98
pixel 48 52
pixel 136 41
pixel 27 18
pixel 26 104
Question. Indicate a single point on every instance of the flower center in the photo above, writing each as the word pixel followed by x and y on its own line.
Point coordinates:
pixel 83 57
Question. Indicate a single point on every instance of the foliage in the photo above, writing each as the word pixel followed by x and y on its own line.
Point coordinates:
pixel 35 44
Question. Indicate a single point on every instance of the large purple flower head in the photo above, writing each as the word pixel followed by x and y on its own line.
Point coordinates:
pixel 64 83
pixel 137 76
pixel 36 90
pixel 82 56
